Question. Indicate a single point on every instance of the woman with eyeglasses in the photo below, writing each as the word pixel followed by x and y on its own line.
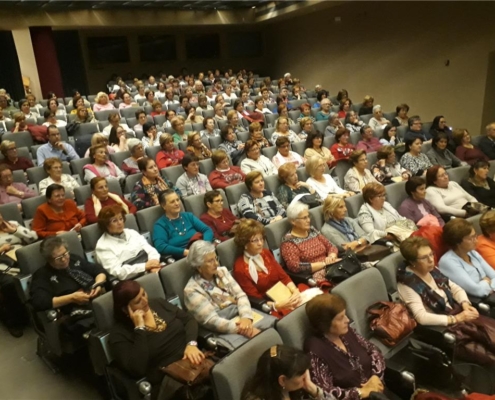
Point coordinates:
pixel 322 182
pixel 255 161
pixel 359 175
pixel 220 219
pixel 285 155
pixel 196 147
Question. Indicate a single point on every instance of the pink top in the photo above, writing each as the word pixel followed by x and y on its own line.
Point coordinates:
pixel 6 198
pixel 102 107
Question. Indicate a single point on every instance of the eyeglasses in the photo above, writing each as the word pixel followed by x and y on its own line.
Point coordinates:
pixel 305 218
pixel 218 201
pixel 61 257
pixel 381 196
pixel 424 258
pixel 472 238
pixel 257 240
pixel 115 220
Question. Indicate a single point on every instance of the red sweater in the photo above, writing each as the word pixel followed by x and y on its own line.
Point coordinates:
pixel 47 222
pixel 218 226
pixel 220 180
pixel 165 159
pixel 265 281
pixel 89 208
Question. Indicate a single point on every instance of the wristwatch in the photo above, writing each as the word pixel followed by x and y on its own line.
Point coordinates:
pixel 360 394
pixel 359 242
pixel 193 343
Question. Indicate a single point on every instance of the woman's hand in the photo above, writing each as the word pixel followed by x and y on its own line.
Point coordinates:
pixel 137 317
pixel 374 384
pixel 13 191
pixel 468 307
pixel 152 264
pixel 80 297
pixel 308 385
pixel 95 292
pixel 245 327
pixel 350 246
pixel 291 303
pixel 277 218
pixel 487 280
pixel 330 259
pixel 5 247
pixel 467 315
pixel 193 354
pixel 77 227
pixel 8 227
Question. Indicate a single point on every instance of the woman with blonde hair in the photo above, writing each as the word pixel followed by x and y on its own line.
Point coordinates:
pixel 102 102
pixel 322 182
pixel 282 130
pixel 196 147
pixel 291 188
pixel 234 122
pixel 99 138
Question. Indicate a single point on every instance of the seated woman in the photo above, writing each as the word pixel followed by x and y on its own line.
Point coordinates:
pixel 343 363
pixel 101 198
pixel 486 242
pixel 285 155
pixel 447 197
pixel 376 214
pixel 124 253
pixel 465 150
pixel 352 122
pixel 220 219
pixel 440 155
pixel 130 164
pixel 344 107
pixel 101 165
pixel 151 137
pixel 58 215
pixel 342 231
pixel 303 248
pixel 416 207
pixel 210 130
pixel 169 155
pixel 387 170
pixel 53 167
pixel 259 204
pixel 215 299
pixel 321 182
pixel 413 160
pixel 282 130
pixel 307 128
pixel 378 121
pixel 367 107
pixel 191 181
pixel 291 188
pixel 401 119
pixel 284 112
pixel 12 237
pixel 334 124
pixel 196 147
pixel 439 125
pixel 224 174
pixel 256 270
pixel 259 106
pixel 83 116
pixel 179 127
pixel 389 136
pixel 314 148
pixel 102 102
pixel 305 113
pixel 462 264
pixel 255 161
pixel 231 146
pixel 147 190
pixel 479 184
pixel 112 147
pixel 342 149
pixel 256 134
pixel 368 142
pixel 73 291
pixel 234 122
pixel 220 113
pixel 10 191
pixel 175 231
pixel 154 332
pixel 11 158
pixel 288 372
pixel 359 175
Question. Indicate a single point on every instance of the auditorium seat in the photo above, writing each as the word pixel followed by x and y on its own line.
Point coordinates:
pixel 172 173
pixel 270 120
pixel 36 174
pixel 396 194
pixel 119 157
pixel 269 152
pixel 206 166
pixel 10 212
pixel 317 219
pixel 458 174
pixel 77 166
pixel 353 205
pixel 131 181
pixel 129 112
pixel 299 148
pixel 29 207
pixel 21 139
pixel 234 193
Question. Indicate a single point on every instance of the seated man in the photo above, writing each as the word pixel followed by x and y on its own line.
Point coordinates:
pixel 55 148
pixel 67 282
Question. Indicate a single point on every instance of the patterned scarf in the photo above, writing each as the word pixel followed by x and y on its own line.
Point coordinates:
pixel 255 262
pixel 345 228
pixel 430 298
pixel 81 277
pixel 152 188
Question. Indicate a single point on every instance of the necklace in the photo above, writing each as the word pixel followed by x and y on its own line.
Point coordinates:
pixel 183 230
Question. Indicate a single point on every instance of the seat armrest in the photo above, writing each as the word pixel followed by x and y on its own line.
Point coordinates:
pixel 302 277
pixel 259 304
pixel 167 260
pixel 478 303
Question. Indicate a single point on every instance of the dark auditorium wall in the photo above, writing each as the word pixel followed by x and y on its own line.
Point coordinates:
pixel 396 51
pixel 97 75
pixel 10 71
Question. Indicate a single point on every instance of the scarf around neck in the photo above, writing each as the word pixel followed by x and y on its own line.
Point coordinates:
pixel 114 197
pixel 255 262
pixel 345 228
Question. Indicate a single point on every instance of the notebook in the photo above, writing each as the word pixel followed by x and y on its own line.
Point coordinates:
pixel 256 318
pixel 279 292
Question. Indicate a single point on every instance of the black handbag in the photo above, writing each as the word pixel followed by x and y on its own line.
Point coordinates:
pixel 9 262
pixel 349 265
pixel 141 257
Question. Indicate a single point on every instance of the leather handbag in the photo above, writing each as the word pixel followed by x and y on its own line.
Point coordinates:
pixel 185 372
pixel 139 258
pixel 349 265
pixel 373 252
pixel 390 322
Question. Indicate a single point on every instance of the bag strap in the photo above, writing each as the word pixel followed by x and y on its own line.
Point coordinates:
pixel 379 307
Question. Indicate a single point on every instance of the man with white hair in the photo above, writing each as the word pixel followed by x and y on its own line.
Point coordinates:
pixel 317 88
pixel 288 78
pixel 487 142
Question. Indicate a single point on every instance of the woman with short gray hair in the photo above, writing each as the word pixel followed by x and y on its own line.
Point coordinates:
pixel 129 165
pixel 217 301
pixel 305 249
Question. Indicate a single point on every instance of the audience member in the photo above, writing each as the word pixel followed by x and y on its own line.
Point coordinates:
pixel 439 154
pixel 101 165
pixel 378 121
pixel 342 149
pixel 55 148
pixel 10 191
pixel 256 134
pixel 415 130
pixel 196 147
pixel 282 130
pixel 314 148
pixel 115 122
pixel 219 219
pixel 352 122
pixel 233 147
pixel 334 124
pixel 12 159
pixel 169 155
pixel 413 160
pixel 479 184
pixel 255 161
pixel 285 155
pixel 130 164
pixel 387 170
pixel 359 175
pixel 401 119
pixel 292 189
pixel 487 142
pixel 367 107
pixel 53 167
pixel 486 242
pixel 192 182
pixel 465 150
pixel 151 137
pixel 416 207
pixel 368 142
pixel 101 197
pixel 322 182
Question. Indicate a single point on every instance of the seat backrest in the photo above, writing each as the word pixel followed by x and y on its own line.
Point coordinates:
pixel 361 291
pixel 338 173
pixel 30 205
pixel 174 278
pixel 354 138
pixel 146 218
pixel 274 234
pixel 366 118
pixel 232 372
pixel 172 173
pixel 372 158
pixel 294 328
pixel 269 151
pixel 302 174
pixel 19 177
pixel 396 194
pixel 227 254
pixel 268 132
pixel 29 257
pixel 234 193
pixel 10 212
pixel 118 158
pixel 130 182
pixel 88 128
pixel 151 152
pixel 77 166
pixel 272 183
pixel 195 203
pixel 206 166
pixel 21 139
pixel 37 174
pixel 299 148
pixel 458 174
pixel 316 215
pixel 353 205
pixel 475 220
pixel 388 268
